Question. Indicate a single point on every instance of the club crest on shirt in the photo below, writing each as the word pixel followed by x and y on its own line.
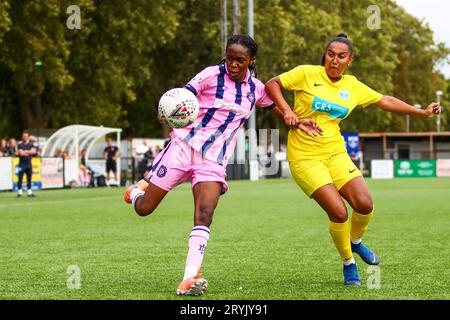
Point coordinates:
pixel 251 97
pixel 344 94
pixel 161 171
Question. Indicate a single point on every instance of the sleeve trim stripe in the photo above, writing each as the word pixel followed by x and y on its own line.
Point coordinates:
pixel 191 88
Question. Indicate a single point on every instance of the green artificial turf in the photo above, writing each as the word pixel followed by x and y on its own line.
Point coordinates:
pixel 268 241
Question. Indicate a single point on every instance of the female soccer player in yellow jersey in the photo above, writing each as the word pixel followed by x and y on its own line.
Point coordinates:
pixel 320 164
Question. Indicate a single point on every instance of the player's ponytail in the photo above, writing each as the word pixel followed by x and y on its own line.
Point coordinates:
pixel 342 37
pixel 252 68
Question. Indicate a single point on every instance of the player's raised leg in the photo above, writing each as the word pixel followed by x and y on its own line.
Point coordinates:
pixel 147 200
pixel 206 197
pixel 362 205
pixel 330 200
pixel 141 184
pixel 155 186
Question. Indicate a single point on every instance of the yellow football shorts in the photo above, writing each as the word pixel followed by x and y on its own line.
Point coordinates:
pixel 311 174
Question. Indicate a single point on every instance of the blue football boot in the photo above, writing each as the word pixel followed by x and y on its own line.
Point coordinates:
pixel 366 254
pixel 351 275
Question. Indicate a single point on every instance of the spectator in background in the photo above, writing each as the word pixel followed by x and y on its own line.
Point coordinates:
pixel 26 152
pixel 157 150
pixel 66 155
pixel 166 142
pixel 3 148
pixel 12 148
pixel 62 154
pixel 33 141
pixel 148 157
pixel 144 157
pixel 85 174
pixel 83 158
pixel 111 154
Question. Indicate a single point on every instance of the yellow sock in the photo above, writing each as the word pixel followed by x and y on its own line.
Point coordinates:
pixel 340 232
pixel 360 223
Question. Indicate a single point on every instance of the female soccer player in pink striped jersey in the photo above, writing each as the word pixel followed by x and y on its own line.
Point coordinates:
pixel 227 94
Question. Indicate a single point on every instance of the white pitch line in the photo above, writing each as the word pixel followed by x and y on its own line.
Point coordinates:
pixel 33 203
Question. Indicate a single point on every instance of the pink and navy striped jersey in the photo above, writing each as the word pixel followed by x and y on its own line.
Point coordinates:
pixel 225 105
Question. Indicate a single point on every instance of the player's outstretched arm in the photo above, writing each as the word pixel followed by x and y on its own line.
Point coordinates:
pixel 392 104
pixel 308 126
pixel 287 115
pixel 274 90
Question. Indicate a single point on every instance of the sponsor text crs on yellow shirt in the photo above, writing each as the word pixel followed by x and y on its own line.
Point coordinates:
pixel 316 97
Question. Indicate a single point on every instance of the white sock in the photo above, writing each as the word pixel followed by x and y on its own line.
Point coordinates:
pixel 135 194
pixel 355 241
pixel 349 261
pixel 30 191
pixel 198 239
pixel 19 191
pixel 190 271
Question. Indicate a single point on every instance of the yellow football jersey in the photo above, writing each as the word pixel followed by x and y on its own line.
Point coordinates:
pixel 317 98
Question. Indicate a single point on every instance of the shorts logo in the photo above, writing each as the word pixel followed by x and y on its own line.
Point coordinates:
pixel 251 97
pixel 161 171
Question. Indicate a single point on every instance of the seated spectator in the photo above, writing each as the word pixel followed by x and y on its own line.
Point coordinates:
pixel 66 155
pixel 83 158
pixel 84 176
pixel 3 148
pixel 59 153
pixel 85 173
pixel 12 148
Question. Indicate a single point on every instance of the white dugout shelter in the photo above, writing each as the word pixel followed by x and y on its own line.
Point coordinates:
pixel 74 138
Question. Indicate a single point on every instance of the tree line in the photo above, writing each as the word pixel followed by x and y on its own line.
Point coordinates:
pixel 112 70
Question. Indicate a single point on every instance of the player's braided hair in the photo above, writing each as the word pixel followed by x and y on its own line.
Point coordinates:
pixel 251 46
pixel 342 37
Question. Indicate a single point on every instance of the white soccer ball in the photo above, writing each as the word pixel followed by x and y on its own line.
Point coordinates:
pixel 178 107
